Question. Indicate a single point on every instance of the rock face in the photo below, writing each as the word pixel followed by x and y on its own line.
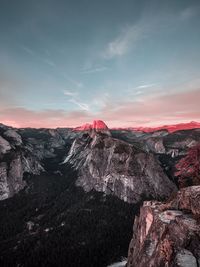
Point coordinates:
pixel 126 166
pixel 13 137
pixel 188 168
pixel 23 151
pixel 12 171
pixel 169 148
pixel 155 144
pixel 4 146
pixel 168 234
pixel 97 126
pixel 175 144
pixel 4 188
pixel 115 167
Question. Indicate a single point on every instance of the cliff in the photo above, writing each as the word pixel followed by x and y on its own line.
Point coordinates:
pixel 115 167
pixel 168 235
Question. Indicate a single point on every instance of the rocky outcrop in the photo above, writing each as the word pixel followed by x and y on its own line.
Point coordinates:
pixel 12 173
pixel 100 127
pixel 24 151
pixel 4 146
pixel 181 141
pixel 115 167
pixel 4 188
pixel 188 168
pixel 13 137
pixel 97 126
pixel 155 144
pixel 168 234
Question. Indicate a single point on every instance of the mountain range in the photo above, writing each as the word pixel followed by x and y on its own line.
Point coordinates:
pixel 69 196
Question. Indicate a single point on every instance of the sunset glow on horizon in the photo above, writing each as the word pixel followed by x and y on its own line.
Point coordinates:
pixel 129 63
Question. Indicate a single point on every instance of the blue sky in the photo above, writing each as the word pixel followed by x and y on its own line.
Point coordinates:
pixel 63 63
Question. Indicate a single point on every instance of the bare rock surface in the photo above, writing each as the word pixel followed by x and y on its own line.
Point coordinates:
pixel 13 136
pixel 4 146
pixel 167 234
pixel 24 151
pixel 97 126
pixel 116 167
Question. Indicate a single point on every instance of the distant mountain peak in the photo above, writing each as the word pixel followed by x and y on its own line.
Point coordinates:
pixel 84 127
pixel 95 126
pixel 170 128
pixel 99 125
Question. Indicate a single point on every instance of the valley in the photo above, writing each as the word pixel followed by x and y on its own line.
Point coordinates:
pixel 70 196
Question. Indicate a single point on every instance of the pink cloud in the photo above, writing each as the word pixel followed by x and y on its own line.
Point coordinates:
pixel 21 117
pixel 157 110
pixel 149 111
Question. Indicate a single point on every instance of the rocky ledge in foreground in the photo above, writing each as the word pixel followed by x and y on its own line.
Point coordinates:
pixel 168 235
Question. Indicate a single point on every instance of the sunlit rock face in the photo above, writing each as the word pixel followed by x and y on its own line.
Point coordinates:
pixel 84 127
pixel 171 128
pixel 97 126
pixel 168 234
pixel 115 167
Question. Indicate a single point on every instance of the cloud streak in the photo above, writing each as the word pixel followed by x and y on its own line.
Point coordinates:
pixel 18 117
pixel 124 42
pixel 35 54
pixel 70 93
pixel 150 111
pixel 94 70
pixel 80 104
pixel 145 86
pixel 161 109
pixel 189 12
pixel 146 26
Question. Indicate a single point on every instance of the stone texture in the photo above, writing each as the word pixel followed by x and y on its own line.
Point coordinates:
pixel 97 126
pixel 4 146
pixel 4 188
pixel 13 136
pixel 116 167
pixel 167 234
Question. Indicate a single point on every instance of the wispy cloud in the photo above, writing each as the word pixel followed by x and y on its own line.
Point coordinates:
pixel 151 111
pixel 100 101
pixel 75 99
pixel 70 93
pixel 27 50
pixel 124 42
pixel 129 37
pixel 189 12
pixel 157 109
pixel 35 54
pixel 143 86
pixel 80 104
pixel 94 70
pixel 49 62
pixel 77 83
pixel 18 117
pixel 11 89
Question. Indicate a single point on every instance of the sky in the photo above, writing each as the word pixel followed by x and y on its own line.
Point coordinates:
pixel 130 63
